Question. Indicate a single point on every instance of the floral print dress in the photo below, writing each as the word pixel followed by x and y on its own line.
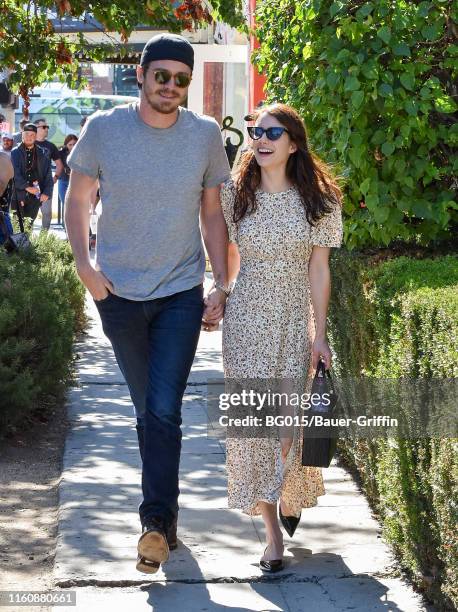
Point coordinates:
pixel 268 331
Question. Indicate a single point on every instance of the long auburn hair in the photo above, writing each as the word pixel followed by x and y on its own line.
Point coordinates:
pixel 69 138
pixel 311 176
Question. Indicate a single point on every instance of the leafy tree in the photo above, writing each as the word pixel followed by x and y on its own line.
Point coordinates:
pixel 377 85
pixel 230 12
pixel 33 51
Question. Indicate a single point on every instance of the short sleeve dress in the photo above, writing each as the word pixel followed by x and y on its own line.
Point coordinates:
pixel 268 331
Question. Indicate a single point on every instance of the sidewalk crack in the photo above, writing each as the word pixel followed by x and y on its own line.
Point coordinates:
pixel 279 579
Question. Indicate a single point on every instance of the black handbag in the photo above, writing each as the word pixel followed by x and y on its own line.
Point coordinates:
pixel 318 446
pixel 20 240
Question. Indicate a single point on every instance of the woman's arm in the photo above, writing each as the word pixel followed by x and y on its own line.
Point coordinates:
pixel 320 291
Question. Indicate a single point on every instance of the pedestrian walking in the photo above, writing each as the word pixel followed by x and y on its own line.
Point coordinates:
pixel 53 152
pixel 6 189
pixel 164 173
pixel 63 180
pixel 32 174
pixel 283 214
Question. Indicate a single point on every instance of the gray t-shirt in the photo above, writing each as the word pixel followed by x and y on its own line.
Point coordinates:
pixel 151 180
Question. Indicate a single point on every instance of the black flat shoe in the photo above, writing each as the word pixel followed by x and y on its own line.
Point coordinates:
pixel 289 522
pixel 271 566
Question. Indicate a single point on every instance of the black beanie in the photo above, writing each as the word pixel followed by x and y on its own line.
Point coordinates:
pixel 168 47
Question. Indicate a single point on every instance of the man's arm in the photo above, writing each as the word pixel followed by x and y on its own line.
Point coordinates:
pixel 77 224
pixel 214 232
pixel 20 179
pixel 59 164
pixel 59 169
pixel 47 180
pixel 233 262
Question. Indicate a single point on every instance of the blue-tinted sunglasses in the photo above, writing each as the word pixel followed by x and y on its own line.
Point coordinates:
pixel 272 133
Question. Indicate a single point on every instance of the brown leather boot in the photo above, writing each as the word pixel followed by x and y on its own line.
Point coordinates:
pixel 152 546
pixel 172 535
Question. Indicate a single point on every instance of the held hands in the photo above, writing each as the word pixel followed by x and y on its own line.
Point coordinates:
pixel 320 348
pixel 96 282
pixel 215 302
pixel 44 198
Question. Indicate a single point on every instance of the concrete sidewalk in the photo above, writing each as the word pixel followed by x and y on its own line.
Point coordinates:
pixel 336 560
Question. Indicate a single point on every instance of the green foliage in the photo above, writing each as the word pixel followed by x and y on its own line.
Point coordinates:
pixel 36 53
pixel 230 12
pixel 42 309
pixel 390 319
pixel 417 317
pixel 376 84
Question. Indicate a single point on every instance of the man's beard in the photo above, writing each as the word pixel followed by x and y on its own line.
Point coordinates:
pixel 163 106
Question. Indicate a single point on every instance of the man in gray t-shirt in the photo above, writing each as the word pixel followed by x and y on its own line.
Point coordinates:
pixel 157 178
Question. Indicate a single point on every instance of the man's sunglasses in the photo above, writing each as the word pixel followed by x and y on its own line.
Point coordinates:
pixel 181 79
pixel 45 127
pixel 272 133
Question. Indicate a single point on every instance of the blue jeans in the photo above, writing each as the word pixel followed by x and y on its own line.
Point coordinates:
pixel 62 187
pixel 6 228
pixel 155 342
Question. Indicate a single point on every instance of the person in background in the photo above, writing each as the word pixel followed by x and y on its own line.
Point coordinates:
pixel 6 184
pixel 53 153
pixel 17 136
pixel 62 185
pixel 7 143
pixel 32 174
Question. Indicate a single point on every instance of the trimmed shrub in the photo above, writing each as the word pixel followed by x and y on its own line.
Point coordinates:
pixel 391 319
pixel 42 308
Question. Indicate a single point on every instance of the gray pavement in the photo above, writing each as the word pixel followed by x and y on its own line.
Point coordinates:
pixel 336 560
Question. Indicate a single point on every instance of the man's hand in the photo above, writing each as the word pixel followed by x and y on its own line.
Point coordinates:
pixel 33 190
pixel 214 302
pixel 44 198
pixel 95 282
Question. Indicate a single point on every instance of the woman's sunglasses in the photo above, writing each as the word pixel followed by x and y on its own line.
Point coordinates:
pixel 272 133
pixel 181 79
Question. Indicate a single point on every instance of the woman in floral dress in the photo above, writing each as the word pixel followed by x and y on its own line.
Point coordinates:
pixel 283 213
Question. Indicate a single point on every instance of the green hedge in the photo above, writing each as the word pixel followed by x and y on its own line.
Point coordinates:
pixel 42 308
pixel 400 318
